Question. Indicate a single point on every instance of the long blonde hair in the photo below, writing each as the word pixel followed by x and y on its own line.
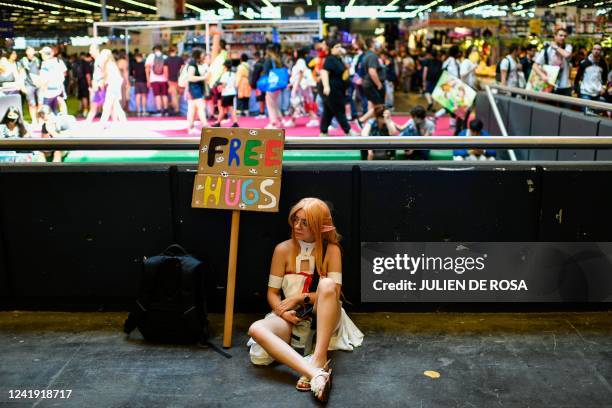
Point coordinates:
pixel 321 225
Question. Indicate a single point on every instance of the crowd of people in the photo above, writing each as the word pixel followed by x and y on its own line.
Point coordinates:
pixel 329 83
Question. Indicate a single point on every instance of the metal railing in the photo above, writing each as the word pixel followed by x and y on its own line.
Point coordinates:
pixel 554 97
pixel 320 143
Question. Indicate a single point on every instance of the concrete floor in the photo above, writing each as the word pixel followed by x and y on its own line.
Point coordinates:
pixel 484 360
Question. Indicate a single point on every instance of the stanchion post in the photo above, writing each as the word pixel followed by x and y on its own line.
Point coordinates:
pixel 231 280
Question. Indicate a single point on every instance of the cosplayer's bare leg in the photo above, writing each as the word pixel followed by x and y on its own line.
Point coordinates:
pixel 327 310
pixel 273 334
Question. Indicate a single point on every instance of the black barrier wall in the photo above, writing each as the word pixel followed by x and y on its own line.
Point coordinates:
pixel 73 236
pixel 527 118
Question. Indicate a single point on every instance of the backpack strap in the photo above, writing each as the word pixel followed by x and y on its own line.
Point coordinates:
pixel 208 344
pixel 139 311
pixel 175 249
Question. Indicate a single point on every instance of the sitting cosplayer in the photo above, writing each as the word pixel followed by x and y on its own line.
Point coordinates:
pixel 311 301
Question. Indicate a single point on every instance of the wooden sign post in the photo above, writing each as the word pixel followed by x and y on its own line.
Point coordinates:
pixel 238 170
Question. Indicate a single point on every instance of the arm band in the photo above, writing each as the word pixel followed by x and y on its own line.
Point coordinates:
pixel 335 276
pixel 275 281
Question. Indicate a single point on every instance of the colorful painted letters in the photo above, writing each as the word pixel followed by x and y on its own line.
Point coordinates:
pixel 239 169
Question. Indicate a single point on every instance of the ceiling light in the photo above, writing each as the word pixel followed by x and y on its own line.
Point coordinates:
pixel 94 4
pixel 247 15
pixel 469 5
pixel 562 3
pixel 222 2
pixel 139 4
pixel 392 3
pixel 424 8
pixel 17 6
pixel 44 3
pixel 194 8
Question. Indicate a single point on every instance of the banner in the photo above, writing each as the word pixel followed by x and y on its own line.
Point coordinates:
pixel 486 272
pixel 239 169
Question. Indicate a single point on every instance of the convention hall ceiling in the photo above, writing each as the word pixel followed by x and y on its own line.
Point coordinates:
pixel 33 17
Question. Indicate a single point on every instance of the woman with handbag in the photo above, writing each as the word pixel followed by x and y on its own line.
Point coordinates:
pixel 314 245
pixel 271 62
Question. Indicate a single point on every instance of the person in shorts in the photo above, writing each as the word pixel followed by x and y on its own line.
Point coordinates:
pixel 174 64
pixel 141 90
pixel 374 80
pixel 157 79
pixel 30 66
pixel 52 72
pixel 228 94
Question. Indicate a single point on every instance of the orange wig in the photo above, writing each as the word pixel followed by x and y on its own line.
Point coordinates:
pixel 321 225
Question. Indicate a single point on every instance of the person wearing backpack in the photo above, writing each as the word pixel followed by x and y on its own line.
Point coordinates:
pixel 509 68
pixel 157 79
pixel 557 53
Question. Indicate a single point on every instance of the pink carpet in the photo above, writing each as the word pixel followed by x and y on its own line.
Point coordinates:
pixel 175 127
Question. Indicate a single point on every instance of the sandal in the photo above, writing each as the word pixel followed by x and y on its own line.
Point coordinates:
pixel 303 384
pixel 321 392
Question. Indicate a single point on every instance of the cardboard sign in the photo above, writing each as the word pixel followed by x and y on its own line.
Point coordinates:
pixel 239 169
pixel 453 94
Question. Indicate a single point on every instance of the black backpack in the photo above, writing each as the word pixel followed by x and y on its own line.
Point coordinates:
pixel 498 69
pixel 171 305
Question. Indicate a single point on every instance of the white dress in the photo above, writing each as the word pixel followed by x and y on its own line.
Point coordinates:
pixel 114 80
pixel 346 336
